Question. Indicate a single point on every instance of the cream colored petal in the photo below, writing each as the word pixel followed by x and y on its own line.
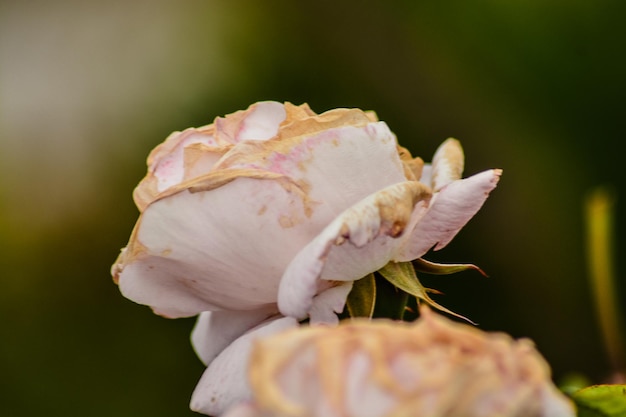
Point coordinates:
pixel 360 240
pixel 259 122
pixel 447 164
pixel 449 210
pixel 167 162
pixel 225 383
pixel 337 167
pixel 328 303
pixel 214 330
pixel 204 248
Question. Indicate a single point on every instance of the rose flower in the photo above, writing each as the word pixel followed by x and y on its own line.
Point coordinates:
pixel 277 210
pixel 433 367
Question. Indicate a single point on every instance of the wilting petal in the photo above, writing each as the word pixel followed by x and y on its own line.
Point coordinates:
pixel 447 164
pixel 332 163
pixel 449 210
pixel 360 240
pixel 214 330
pixel 328 303
pixel 224 383
pixel 193 251
pixel 167 162
pixel 259 122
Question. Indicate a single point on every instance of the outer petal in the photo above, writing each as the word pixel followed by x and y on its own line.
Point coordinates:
pixel 339 157
pixel 225 382
pixel 449 211
pixel 371 227
pixel 214 330
pixel 193 251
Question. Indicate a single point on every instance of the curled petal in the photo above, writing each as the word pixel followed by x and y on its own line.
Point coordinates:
pixel 171 162
pixel 360 240
pixel 450 209
pixel 191 252
pixel 214 330
pixel 447 165
pixel 259 122
pixel 328 303
pixel 327 156
pixel 224 383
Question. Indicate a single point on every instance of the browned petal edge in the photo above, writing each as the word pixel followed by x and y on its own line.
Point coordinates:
pixel 396 210
pixel 147 189
pixel 128 254
pixel 327 120
pixel 135 249
pixel 450 152
pixel 381 340
pixel 412 166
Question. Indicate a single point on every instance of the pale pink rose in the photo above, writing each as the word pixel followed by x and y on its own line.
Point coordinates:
pixel 433 367
pixel 276 209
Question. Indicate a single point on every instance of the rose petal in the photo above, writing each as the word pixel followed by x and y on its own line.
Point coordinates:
pixel 167 162
pixel 328 303
pixel 193 251
pixel 214 330
pixel 259 122
pixel 370 228
pixel 334 165
pixel 447 164
pixel 449 210
pixel 225 383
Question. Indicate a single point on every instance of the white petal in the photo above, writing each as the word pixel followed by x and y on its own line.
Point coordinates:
pixel 449 210
pixel 214 330
pixel 224 248
pixel 169 169
pixel 327 304
pixel 225 381
pixel 337 167
pixel 447 165
pixel 360 240
pixel 263 122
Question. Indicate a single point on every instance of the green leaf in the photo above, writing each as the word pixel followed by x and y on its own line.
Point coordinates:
pixel 427 267
pixel 391 302
pixel 362 297
pixel 402 275
pixel 601 401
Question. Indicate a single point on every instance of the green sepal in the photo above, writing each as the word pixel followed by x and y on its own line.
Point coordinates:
pixel 427 267
pixel 402 275
pixel 601 401
pixel 362 297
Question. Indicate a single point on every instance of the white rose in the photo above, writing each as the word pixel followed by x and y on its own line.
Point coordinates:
pixel 276 209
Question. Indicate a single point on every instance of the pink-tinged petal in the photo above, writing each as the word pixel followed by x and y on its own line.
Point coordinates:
pixel 359 241
pixel 447 164
pixel 449 210
pixel 214 330
pixel 328 303
pixel 337 166
pixel 172 162
pixel 225 383
pixel 259 122
pixel 193 251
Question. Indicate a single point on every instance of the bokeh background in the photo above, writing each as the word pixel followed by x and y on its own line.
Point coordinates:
pixel 88 88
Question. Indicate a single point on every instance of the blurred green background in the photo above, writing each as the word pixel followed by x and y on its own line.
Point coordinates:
pixel 88 88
